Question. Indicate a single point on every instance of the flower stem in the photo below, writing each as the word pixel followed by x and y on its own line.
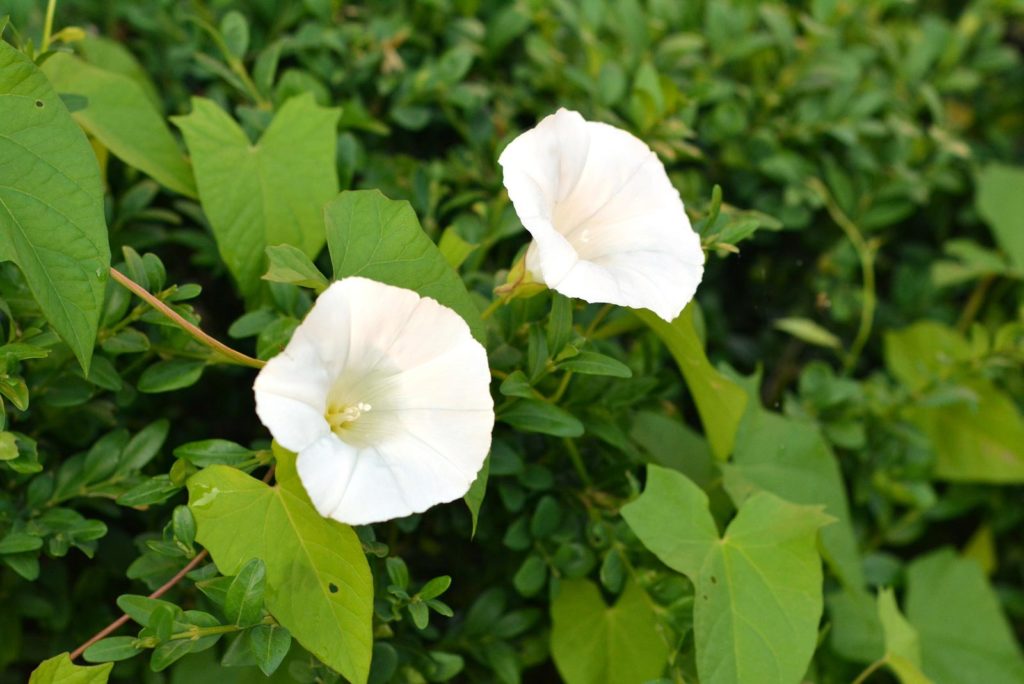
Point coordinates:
pixel 227 352
pixel 866 255
pixel 116 624
pixel 494 306
pixel 51 7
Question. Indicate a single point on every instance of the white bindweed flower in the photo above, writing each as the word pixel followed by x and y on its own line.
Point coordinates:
pixel 385 397
pixel 607 224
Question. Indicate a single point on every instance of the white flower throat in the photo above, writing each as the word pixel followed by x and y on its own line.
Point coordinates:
pixel 340 417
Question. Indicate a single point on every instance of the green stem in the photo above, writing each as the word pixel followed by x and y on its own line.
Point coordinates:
pixel 562 386
pixel 866 255
pixel 974 302
pixel 577 462
pixel 51 8
pixel 869 670
pixel 494 306
pixel 227 352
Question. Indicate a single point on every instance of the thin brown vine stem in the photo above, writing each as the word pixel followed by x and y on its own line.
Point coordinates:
pixel 227 352
pixel 163 589
pixel 167 586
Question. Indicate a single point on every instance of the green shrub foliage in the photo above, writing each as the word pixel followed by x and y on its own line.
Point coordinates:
pixel 814 474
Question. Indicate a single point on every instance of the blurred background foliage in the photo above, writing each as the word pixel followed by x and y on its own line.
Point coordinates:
pixel 869 159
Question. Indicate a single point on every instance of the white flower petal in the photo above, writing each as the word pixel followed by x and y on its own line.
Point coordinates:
pixel 400 394
pixel 608 226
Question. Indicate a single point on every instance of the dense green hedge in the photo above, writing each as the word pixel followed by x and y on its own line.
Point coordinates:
pixel 856 172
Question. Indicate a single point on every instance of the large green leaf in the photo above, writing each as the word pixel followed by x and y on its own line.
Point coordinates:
pixel 268 193
pixel 51 203
pixel 924 353
pixel 109 55
pixel 976 443
pixel 790 459
pixel 375 237
pixel 60 670
pixel 318 583
pixel 120 115
pixel 902 644
pixel 1001 203
pixel 720 402
pixel 593 643
pixel 964 637
pixel 758 587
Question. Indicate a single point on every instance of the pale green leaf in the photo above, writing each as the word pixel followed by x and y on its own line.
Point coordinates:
pixel 1000 201
pixel 965 639
pixel 669 493
pixel 902 647
pixel 110 55
pixel 593 643
pixel 808 331
pixel 60 670
pixel 758 589
pixel 374 237
pixel 51 204
pixel 318 583
pixel 790 459
pixel 922 353
pixel 453 248
pixel 720 402
pixel 121 116
pixel 267 193
pixel 982 443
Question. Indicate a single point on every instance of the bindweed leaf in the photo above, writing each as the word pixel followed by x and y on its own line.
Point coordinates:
pixel 758 597
pixel 52 225
pixel 720 402
pixel 264 194
pixel 593 643
pixel 375 237
pixel 60 670
pixel 318 582
pixel 119 114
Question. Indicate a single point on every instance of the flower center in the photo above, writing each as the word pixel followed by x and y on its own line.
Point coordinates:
pixel 341 417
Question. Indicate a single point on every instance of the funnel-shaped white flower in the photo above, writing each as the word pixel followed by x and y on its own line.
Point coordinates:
pixel 385 397
pixel 607 224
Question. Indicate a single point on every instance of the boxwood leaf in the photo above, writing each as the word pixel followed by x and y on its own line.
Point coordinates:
pixel 318 583
pixel 51 204
pixel 111 649
pixel 243 603
pixel 375 237
pixel 540 416
pixel 269 645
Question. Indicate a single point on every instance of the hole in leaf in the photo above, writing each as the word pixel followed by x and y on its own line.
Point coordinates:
pixel 39 103
pixel 714 580
pixel 333 587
